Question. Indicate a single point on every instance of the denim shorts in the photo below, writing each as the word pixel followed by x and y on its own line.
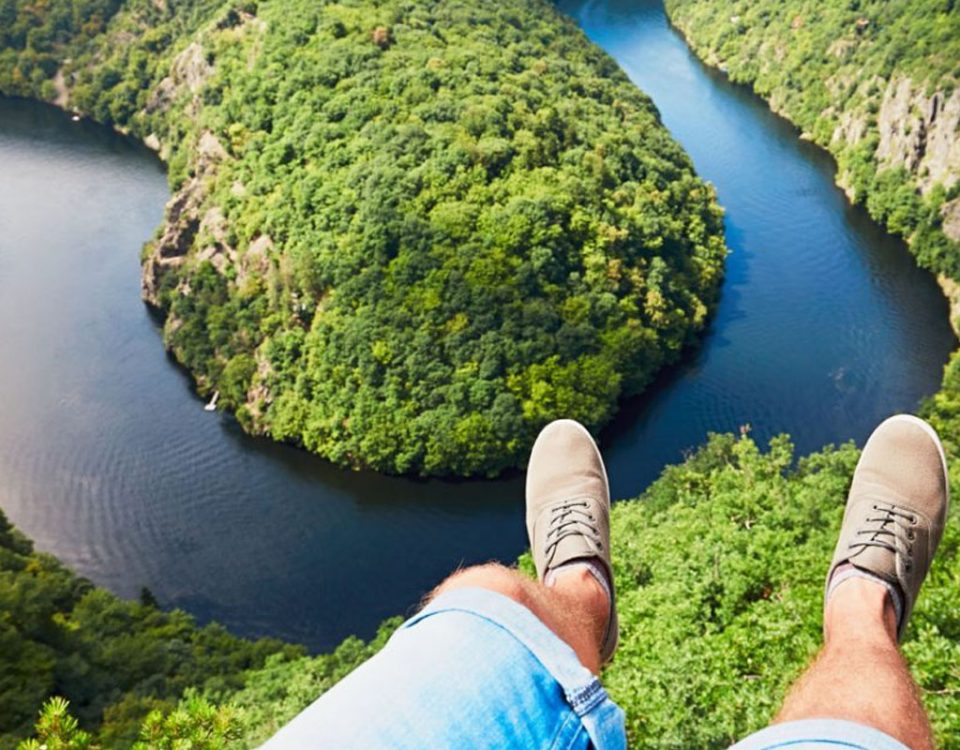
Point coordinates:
pixel 819 734
pixel 475 669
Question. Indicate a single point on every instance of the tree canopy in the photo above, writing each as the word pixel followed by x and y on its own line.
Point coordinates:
pixel 406 235
pixel 113 660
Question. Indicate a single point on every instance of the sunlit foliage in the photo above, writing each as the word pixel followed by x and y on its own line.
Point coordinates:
pixel 412 233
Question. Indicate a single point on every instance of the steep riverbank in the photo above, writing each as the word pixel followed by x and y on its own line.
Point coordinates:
pixel 875 85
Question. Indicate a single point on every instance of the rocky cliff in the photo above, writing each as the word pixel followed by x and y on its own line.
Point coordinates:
pixel 874 83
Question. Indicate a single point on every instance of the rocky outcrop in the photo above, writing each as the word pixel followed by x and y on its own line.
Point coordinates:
pixel 179 228
pixel 951 290
pixel 920 133
pixel 256 260
pixel 950 214
pixel 216 250
pixel 188 220
pixel 62 98
pixel 189 71
pixel 851 128
pixel 183 222
pixel 917 131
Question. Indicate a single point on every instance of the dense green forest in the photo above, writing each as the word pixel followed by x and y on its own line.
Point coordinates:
pixel 404 235
pixel 875 82
pixel 720 567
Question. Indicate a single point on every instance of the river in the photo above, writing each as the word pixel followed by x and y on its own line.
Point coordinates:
pixel 108 460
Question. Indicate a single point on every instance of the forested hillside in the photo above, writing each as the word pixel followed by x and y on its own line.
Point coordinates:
pixel 403 235
pixel 877 83
pixel 115 661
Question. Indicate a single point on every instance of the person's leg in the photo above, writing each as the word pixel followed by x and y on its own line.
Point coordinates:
pixel 575 607
pixel 568 523
pixel 860 675
pixel 859 685
pixel 494 659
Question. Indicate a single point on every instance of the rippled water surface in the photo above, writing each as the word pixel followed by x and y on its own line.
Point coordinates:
pixel 108 460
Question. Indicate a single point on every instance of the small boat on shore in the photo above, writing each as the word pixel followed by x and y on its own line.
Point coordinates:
pixel 212 406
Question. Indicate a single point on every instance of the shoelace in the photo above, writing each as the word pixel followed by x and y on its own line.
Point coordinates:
pixel 883 530
pixel 571 518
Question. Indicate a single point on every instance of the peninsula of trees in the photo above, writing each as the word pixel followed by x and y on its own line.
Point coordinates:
pixel 403 235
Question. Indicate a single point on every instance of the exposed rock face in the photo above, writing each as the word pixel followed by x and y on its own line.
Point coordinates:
pixel 920 133
pixel 63 94
pixel 209 150
pixel 852 128
pixel 189 71
pixel 256 260
pixel 183 222
pixel 213 228
pixel 951 290
pixel 188 221
pixel 950 212
pixel 180 227
pixel 951 219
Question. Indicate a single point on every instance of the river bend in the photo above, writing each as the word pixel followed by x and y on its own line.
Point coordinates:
pixel 108 460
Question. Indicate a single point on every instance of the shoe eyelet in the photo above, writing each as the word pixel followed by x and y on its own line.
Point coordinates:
pixel 911 536
pixel 913 520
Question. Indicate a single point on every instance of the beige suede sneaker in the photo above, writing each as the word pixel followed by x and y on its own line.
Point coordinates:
pixel 568 508
pixel 897 508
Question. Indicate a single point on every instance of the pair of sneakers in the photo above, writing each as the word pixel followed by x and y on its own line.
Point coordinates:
pixel 894 518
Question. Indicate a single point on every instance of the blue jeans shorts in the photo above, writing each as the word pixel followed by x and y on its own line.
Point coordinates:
pixel 475 669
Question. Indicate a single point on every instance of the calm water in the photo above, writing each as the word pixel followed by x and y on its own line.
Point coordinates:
pixel 108 460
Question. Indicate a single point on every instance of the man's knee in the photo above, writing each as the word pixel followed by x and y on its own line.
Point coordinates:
pixel 491 576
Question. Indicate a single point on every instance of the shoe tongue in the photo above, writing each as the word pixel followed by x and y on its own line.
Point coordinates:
pixel 571 548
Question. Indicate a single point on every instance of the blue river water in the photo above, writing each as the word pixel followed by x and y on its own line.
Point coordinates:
pixel 108 460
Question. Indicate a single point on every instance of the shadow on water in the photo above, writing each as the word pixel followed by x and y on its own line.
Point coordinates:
pixel 108 460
